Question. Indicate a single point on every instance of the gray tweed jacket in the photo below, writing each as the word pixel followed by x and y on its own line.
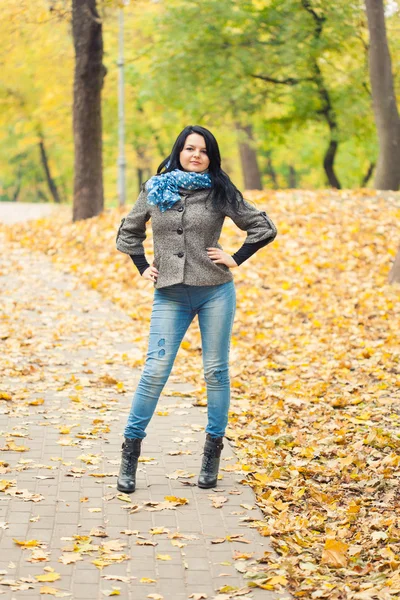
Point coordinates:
pixel 182 234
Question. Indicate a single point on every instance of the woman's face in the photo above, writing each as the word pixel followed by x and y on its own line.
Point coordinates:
pixel 193 156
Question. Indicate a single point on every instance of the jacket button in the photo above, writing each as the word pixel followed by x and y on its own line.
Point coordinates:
pixel 179 230
pixel 180 254
pixel 180 209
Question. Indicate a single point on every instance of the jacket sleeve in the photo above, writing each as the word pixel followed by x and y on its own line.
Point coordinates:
pixel 256 222
pixel 132 230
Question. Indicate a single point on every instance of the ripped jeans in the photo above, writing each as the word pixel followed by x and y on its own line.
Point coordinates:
pixel 174 308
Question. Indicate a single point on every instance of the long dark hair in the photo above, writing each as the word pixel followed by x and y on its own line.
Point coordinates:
pixel 222 189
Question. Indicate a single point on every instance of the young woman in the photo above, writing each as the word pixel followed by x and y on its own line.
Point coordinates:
pixel 187 201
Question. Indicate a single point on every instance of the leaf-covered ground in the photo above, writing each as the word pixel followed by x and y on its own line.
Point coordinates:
pixel 315 376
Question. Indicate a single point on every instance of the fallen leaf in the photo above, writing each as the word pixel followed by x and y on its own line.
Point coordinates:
pixel 334 553
pixel 113 592
pixel 36 402
pixel 175 500
pixel 48 577
pixel 27 543
pixel 218 501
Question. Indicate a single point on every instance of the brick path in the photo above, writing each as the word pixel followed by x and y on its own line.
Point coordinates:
pixel 59 339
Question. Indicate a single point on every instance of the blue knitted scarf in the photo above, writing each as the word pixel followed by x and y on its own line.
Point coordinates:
pixel 163 189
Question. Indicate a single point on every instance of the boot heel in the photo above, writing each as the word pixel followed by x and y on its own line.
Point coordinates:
pixel 210 464
pixel 129 461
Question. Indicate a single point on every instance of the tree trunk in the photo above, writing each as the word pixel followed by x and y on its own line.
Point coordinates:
pixel 270 170
pixel 87 125
pixel 326 109
pixel 248 158
pixel 292 179
pixel 50 181
pixel 140 177
pixel 368 174
pixel 19 185
pixel 394 275
pixel 143 169
pixel 16 193
pixel 384 100
pixel 42 196
pixel 329 115
pixel 329 160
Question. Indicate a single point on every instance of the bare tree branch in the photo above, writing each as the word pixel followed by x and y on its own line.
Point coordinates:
pixel 288 81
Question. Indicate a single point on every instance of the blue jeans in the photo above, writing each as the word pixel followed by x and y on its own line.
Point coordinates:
pixel 174 308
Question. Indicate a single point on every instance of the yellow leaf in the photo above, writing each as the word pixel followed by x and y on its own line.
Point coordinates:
pixel 108 379
pixel 353 508
pixel 277 580
pixel 177 543
pixel 237 384
pixel 48 577
pixel 45 589
pixel 334 553
pixel 27 544
pixel 4 484
pixel 176 500
pixel 147 580
pixel 164 557
pixel 158 530
pixel 100 563
pixel 11 445
pixel 75 399
pixel 124 497
pixel 227 589
pixel 262 477
pixel 36 402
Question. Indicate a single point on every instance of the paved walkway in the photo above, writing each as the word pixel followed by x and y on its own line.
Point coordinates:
pixel 66 365
pixel 14 212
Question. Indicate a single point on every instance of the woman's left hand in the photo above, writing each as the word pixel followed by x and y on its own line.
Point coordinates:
pixel 219 256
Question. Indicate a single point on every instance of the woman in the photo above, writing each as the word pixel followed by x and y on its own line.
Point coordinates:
pixel 188 201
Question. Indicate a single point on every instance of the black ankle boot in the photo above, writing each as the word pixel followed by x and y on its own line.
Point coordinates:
pixel 210 464
pixel 129 461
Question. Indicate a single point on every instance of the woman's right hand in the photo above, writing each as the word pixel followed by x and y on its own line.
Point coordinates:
pixel 151 273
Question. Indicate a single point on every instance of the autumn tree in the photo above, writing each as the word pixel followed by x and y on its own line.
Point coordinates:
pixel 384 99
pixel 296 63
pixel 385 109
pixel 87 122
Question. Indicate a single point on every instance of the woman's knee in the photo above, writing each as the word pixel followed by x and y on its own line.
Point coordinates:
pixel 156 372
pixel 217 376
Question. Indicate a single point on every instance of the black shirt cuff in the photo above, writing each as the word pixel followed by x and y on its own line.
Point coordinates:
pixel 140 262
pixel 248 250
